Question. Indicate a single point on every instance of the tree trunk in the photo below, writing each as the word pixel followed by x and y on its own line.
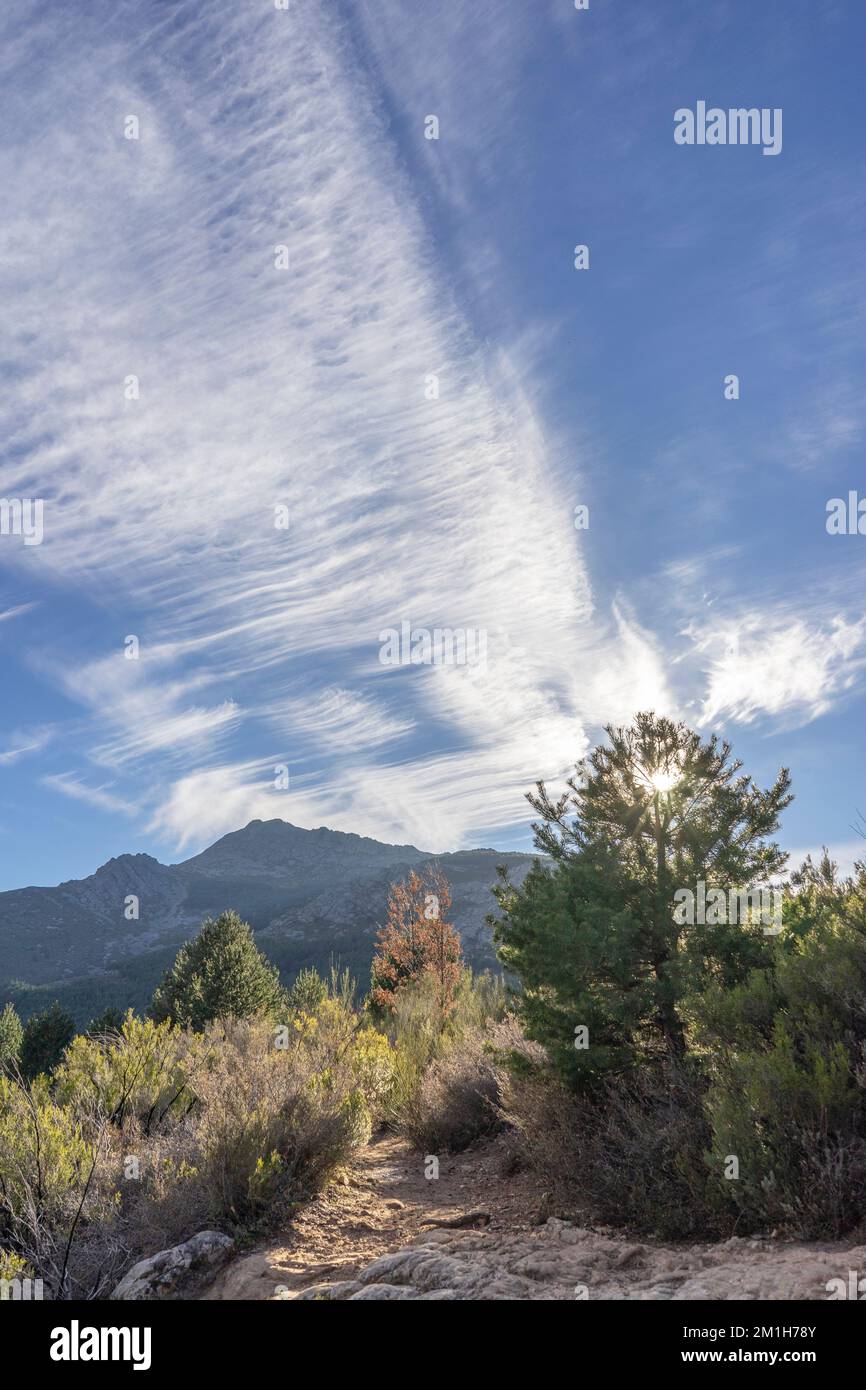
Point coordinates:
pixel 671 1027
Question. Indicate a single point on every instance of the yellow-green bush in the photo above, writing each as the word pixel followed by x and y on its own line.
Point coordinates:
pixel 145 1073
pixel 280 1107
pixel 56 1183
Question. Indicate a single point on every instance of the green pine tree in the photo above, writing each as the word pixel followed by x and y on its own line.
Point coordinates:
pixel 45 1039
pixel 106 1024
pixel 591 932
pixel 220 973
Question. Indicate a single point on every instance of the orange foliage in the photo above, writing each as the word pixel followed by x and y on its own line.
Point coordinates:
pixel 417 941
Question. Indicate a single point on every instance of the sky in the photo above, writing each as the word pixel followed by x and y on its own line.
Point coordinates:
pixel 285 373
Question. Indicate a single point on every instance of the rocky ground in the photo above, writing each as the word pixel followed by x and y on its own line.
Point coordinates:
pixel 384 1231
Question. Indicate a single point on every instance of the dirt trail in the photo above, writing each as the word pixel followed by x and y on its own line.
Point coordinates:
pixel 373 1235
pixel 376 1208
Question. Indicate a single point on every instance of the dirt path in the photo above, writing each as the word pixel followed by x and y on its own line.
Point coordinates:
pixel 374 1209
pixel 372 1235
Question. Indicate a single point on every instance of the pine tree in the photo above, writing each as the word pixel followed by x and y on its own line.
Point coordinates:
pixel 417 941
pixel 220 973
pixel 107 1024
pixel 45 1039
pixel 591 932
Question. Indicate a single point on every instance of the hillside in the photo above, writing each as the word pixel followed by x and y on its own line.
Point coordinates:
pixel 312 896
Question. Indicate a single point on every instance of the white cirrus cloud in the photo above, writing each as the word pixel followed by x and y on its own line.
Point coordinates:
pixel 262 388
pixel 101 798
pixel 779 663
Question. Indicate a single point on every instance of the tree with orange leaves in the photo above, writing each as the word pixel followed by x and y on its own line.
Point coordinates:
pixel 417 941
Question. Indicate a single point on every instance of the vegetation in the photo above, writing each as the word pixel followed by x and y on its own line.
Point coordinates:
pixel 417 943
pixel 682 1077
pixel 445 1084
pixel 784 1053
pixel 11 1035
pixel 43 1040
pixel 143 1135
pixel 219 974
pixel 702 1076
pixel 591 933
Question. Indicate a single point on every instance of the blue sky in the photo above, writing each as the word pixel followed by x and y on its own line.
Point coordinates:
pixel 706 585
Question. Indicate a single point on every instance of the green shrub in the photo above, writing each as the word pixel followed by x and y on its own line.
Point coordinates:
pixel 785 1056
pixel 142 1073
pixel 58 1194
pixel 631 1153
pixel 11 1035
pixel 308 992
pixel 444 1084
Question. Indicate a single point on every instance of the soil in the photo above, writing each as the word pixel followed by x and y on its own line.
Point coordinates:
pixel 383 1230
pixel 375 1208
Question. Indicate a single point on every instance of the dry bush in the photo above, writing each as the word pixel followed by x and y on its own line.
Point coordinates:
pixel 631 1155
pixel 272 1122
pixel 144 1138
pixel 444 1090
pixel 276 1111
pixel 59 1199
pixel 454 1102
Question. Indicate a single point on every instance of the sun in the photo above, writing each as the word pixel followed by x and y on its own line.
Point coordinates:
pixel 663 781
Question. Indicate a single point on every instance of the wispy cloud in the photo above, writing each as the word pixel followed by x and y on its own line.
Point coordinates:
pixel 308 389
pixel 102 798
pixel 25 741
pixel 16 612
pixel 261 387
pixel 779 663
pixel 339 720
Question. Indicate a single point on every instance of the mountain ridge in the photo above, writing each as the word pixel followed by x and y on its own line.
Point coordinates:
pixel 312 897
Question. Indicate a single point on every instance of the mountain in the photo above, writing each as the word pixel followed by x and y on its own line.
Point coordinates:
pixel 311 896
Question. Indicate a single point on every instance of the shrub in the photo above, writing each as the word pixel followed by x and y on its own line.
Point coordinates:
pixel 58 1197
pixel 143 1073
pixel 308 992
pixel 444 1083
pixel 11 1034
pixel 784 1052
pixel 454 1103
pixel 630 1154
pixel 274 1121
pixel 148 1132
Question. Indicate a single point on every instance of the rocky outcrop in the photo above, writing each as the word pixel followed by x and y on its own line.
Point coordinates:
pixel 560 1261
pixel 176 1272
